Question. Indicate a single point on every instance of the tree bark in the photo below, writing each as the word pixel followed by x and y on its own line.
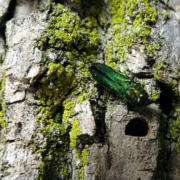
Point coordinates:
pixel 56 121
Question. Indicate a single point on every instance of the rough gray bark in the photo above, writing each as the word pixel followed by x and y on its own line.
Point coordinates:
pixel 21 64
pixel 113 153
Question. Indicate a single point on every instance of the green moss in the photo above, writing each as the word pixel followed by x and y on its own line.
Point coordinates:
pixel 131 24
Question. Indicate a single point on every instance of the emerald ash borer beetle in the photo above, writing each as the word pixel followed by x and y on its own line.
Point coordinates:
pixel 131 92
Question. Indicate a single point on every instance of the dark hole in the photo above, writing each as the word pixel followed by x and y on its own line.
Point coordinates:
pixel 137 127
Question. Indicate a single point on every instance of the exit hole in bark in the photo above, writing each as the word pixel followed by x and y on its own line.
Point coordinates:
pixel 137 127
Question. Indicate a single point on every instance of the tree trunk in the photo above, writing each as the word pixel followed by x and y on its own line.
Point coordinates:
pixel 57 121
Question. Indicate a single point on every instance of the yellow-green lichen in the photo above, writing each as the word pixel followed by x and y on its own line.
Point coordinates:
pixel 157 71
pixel 74 42
pixel 68 112
pixel 56 85
pixel 67 28
pixel 3 118
pixel 152 48
pixel 5 174
pixel 174 128
pixel 75 131
pixel 80 154
pixel 155 95
pixel 84 161
pixel 131 23
pixel 84 96
pixel 52 91
pixel 165 15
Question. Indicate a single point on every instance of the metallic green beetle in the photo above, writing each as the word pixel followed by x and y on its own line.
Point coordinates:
pixel 131 92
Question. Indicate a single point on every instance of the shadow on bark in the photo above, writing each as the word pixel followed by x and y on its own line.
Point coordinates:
pixel 166 100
